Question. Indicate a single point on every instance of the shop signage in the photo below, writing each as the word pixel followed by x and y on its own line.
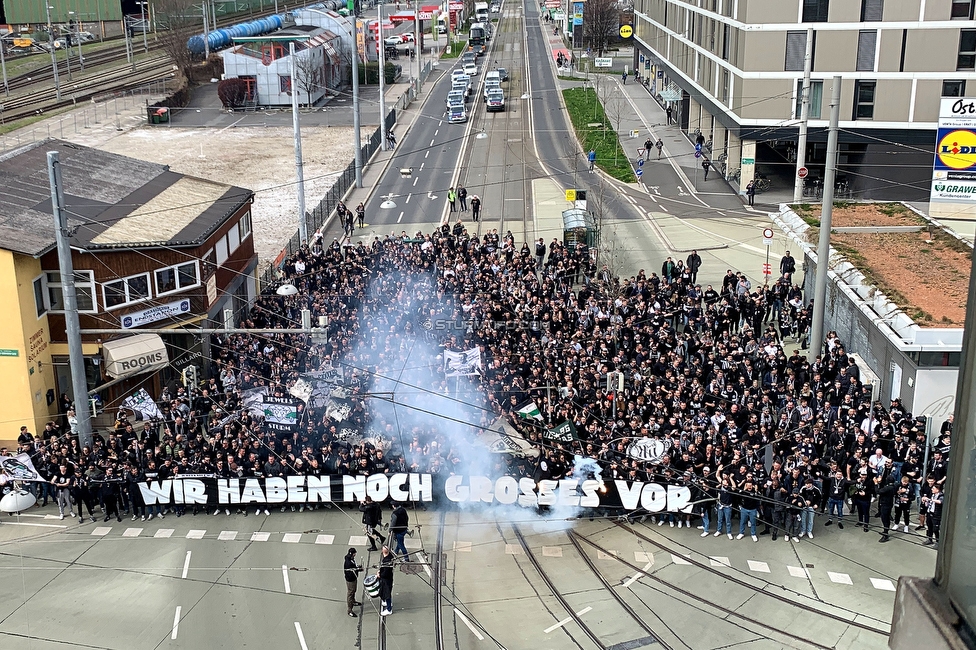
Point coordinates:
pixel 157 313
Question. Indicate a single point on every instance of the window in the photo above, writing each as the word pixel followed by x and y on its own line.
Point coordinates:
pixel 177 278
pixel 867 42
pixel 39 302
pixel 84 291
pixel 796 50
pixel 962 9
pixel 284 83
pixel 726 41
pixel 967 50
pixel 864 100
pixel 815 11
pixel 244 225
pixel 222 253
pixel 871 10
pixel 233 240
pixel 725 86
pixel 126 291
pixel 954 88
pixel 816 98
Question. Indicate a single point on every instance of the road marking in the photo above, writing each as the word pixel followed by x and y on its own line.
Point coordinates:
pixel 284 574
pixel 400 218
pixel 637 576
pixel 718 560
pixel 663 207
pixel 412 543
pixel 425 157
pixel 761 567
pixel 101 531
pixel 408 198
pixel 608 555
pixel 25 523
pixel 227 535
pixel 436 131
pixel 512 549
pixel 426 565
pixel 186 565
pixel 196 534
pixel 839 578
pixel 654 198
pixel 260 537
pixel 325 539
pixel 464 619
pixel 677 559
pixel 643 556
pixel 415 181
pixel 176 622
pixel 462 547
pixel 357 540
pixel 301 637
pixel 552 551
pixel 431 142
pixel 797 572
pixel 291 538
pixel 557 625
pixel 584 610
pixel 720 212
pixel 882 584
pixel 164 533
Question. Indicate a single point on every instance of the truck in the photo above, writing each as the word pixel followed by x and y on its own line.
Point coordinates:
pixel 481 12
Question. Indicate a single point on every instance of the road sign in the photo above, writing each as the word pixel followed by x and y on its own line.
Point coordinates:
pixel 768 236
pixel 802 172
pixel 7 352
pixel 697 153
pixel 602 61
pixel 626 31
pixel 640 162
pixel 767 269
pixel 639 172
pixel 570 195
pixel 640 152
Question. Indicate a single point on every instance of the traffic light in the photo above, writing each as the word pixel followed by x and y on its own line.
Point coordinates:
pixel 190 376
pixel 580 195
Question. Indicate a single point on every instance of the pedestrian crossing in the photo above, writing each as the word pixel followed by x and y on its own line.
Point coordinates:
pixel 323 539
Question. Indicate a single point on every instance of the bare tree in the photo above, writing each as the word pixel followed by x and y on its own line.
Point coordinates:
pixel 601 21
pixel 179 20
pixel 614 108
pixel 308 72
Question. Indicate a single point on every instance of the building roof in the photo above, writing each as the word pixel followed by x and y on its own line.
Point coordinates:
pixel 112 201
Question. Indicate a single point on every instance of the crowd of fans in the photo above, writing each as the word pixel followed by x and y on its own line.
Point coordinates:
pixel 751 428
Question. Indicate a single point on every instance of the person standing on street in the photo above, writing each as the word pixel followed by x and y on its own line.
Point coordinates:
pixel 476 207
pixel 372 517
pixel 63 483
pixel 660 148
pixel 932 505
pixel 361 215
pixel 903 501
pixel 706 165
pixel 351 571
pixel 462 195
pixel 386 581
pixel 694 263
pixel 452 199
pixel 787 266
pixel 647 148
pixel 885 487
pixel 670 112
pixel 591 157
pixel 751 192
pixel 399 522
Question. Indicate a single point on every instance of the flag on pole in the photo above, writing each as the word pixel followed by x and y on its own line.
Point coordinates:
pixel 530 411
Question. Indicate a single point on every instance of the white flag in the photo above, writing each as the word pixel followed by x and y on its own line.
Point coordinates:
pixel 460 364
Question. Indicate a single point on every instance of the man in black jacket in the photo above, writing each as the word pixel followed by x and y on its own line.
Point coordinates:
pixel 386 581
pixel 351 571
pixel 399 522
pixel 885 487
pixel 372 517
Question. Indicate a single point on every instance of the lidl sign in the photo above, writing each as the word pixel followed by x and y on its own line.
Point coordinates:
pixel 955 150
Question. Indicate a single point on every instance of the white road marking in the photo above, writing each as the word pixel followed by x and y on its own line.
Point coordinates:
pixel 260 537
pixel 882 584
pixel 196 534
pixel 186 565
pixel 464 619
pixel 436 131
pixel 677 559
pixel 25 523
pixel 609 555
pixel 164 533
pixel 761 567
pixel 557 625
pixel 24 514
pixel 291 538
pixel 301 637
pixel 663 207
pixel 227 535
pixel 654 198
pixel 425 157
pixel 718 560
pixel 552 551
pixel 462 547
pixel 643 556
pixel 512 549
pixel 325 539
pixel 408 198
pixel 426 566
pixel 583 611
pixel 284 574
pixel 101 531
pixel 720 212
pixel 637 576
pixel 400 218
pixel 415 181
pixel 357 540
pixel 797 572
pixel 431 142
pixel 176 622
pixel 840 578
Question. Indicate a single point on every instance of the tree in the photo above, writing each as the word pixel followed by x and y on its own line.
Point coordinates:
pixel 614 108
pixel 232 92
pixel 308 72
pixel 178 21
pixel 601 21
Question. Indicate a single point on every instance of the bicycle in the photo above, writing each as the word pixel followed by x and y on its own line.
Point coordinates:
pixel 761 183
pixel 735 176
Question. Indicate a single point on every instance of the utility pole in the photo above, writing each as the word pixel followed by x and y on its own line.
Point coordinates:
pixel 801 144
pixel 355 107
pixel 297 128
pixel 381 58
pixel 206 30
pixel 54 58
pixel 823 248
pixel 416 40
pixel 3 67
pixel 76 359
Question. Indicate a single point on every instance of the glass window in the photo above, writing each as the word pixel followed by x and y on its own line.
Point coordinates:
pixel 233 240
pixel 864 100
pixel 39 303
pixel 867 41
pixel 165 281
pixel 871 10
pixel 954 88
pixel 816 98
pixel 967 50
pixel 177 278
pixel 125 291
pixel 188 275
pixel 796 50
pixel 221 250
pixel 244 225
pixel 284 83
pixel 815 11
pixel 962 10
pixel 84 291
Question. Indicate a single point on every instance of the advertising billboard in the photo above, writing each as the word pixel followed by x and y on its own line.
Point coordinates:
pixel 953 191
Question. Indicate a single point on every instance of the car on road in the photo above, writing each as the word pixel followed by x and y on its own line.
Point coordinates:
pixel 495 101
pixel 492 76
pixel 478 51
pixel 457 115
pixel 468 57
pixel 490 86
pixel 393 40
pixel 406 37
pixel 455 97
pixel 495 9
pixel 470 69
pixel 502 74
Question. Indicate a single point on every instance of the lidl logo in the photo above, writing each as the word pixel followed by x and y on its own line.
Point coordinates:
pixel 957 150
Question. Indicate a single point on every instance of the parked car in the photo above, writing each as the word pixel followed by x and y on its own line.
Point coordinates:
pixel 502 74
pixel 406 37
pixel 393 40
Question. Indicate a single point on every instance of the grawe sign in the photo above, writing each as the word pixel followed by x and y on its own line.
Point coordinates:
pixel 953 192
pixel 603 62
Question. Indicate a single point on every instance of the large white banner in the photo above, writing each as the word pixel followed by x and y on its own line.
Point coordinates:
pixel 143 405
pixel 462 364
pixel 19 468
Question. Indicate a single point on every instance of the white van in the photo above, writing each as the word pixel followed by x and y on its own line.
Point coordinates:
pixel 493 76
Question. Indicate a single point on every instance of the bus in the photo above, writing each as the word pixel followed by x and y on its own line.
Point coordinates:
pixel 477 34
pixel 481 12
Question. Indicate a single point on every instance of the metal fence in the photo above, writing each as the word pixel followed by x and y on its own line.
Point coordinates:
pixel 317 217
pixel 107 111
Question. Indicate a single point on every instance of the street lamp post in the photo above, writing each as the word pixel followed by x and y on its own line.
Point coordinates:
pixel 54 58
pixel 145 21
pixel 3 67
pixel 81 59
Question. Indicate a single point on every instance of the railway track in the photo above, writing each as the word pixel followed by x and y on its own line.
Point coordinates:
pixel 45 74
